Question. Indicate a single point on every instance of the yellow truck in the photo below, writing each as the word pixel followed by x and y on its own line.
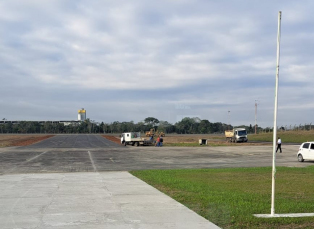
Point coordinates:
pixel 236 135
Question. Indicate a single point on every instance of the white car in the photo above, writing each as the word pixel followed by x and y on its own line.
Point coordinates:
pixel 306 151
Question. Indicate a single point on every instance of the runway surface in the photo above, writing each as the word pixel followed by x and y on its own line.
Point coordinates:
pixel 93 153
pixel 81 181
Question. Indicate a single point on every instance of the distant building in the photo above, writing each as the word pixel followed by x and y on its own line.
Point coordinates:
pixel 65 123
pixel 81 115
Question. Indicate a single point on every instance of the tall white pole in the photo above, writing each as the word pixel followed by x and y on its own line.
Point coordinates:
pixel 228 119
pixel 255 115
pixel 275 119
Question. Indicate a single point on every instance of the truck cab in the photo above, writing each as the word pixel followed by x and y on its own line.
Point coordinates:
pixel 240 135
pixel 236 135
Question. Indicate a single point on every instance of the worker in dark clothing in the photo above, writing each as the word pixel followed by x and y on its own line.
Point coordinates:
pixel 161 140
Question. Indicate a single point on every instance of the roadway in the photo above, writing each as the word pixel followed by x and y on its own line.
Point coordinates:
pixel 93 153
pixel 81 181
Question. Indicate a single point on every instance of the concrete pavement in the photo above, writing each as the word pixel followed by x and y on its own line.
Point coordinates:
pixel 115 200
pixel 65 182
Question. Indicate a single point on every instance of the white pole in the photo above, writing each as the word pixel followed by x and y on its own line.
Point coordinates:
pixel 255 116
pixel 275 119
pixel 228 119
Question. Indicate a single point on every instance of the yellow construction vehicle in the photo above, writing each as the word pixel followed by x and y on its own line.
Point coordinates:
pixel 154 133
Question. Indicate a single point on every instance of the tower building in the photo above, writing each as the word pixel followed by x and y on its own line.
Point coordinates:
pixel 81 115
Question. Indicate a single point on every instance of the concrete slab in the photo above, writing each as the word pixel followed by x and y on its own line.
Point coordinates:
pixel 26 160
pixel 115 200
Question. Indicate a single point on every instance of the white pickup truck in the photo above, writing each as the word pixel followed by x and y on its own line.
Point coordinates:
pixel 134 139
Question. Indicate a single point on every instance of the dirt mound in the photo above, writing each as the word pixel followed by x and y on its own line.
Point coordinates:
pixel 21 140
pixel 112 138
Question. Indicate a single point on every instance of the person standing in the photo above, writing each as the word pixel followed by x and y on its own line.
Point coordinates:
pixel 158 142
pixel 161 140
pixel 122 139
pixel 279 145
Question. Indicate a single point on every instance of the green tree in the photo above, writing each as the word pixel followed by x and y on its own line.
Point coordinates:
pixel 250 129
pixel 204 127
pixel 8 127
pixel 151 121
pixel 101 127
pixel 163 126
pixel 185 126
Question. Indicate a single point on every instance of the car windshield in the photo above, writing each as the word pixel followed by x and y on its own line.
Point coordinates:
pixel 306 145
pixel 241 132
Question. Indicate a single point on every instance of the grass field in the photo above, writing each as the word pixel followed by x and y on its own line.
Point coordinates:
pixel 192 140
pixel 230 197
pixel 220 140
pixel 286 136
pixel 196 144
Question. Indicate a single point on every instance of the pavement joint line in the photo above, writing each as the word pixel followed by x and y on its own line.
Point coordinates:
pixel 91 159
pixel 36 156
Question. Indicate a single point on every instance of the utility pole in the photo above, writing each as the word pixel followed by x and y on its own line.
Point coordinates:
pixel 255 115
pixel 228 119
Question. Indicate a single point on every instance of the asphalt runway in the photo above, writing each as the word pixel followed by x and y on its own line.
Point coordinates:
pixel 81 181
pixel 65 182
pixel 93 153
pixel 74 141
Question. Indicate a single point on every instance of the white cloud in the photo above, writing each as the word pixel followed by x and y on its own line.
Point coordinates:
pixel 209 55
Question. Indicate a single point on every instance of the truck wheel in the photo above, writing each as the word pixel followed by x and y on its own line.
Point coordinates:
pixel 132 143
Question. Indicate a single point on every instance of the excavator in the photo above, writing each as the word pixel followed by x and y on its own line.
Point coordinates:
pixel 153 133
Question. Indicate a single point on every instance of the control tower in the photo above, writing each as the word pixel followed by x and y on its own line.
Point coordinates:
pixel 81 115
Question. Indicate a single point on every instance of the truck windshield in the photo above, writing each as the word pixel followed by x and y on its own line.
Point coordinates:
pixel 242 132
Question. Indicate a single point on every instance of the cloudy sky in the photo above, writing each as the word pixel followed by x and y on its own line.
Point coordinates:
pixel 128 60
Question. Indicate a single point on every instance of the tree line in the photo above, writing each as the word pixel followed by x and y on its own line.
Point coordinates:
pixel 185 126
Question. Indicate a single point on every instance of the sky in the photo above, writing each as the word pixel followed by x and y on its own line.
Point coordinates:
pixel 129 60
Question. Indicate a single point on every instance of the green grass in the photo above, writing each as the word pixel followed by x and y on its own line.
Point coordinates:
pixel 182 144
pixel 286 136
pixel 230 197
pixel 194 144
